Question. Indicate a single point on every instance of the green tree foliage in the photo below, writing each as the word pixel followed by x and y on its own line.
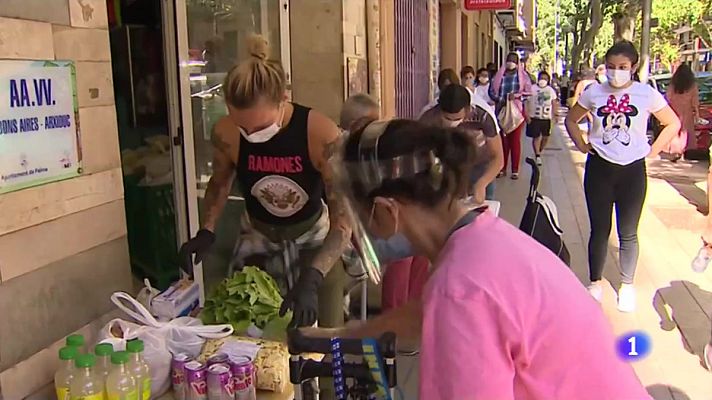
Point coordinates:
pixel 574 17
pixel 621 20
pixel 672 14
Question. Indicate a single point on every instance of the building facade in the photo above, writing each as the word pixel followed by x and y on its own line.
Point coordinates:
pixel 148 78
pixel 63 246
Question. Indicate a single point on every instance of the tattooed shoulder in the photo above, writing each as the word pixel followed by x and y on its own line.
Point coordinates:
pixel 330 149
pixel 218 138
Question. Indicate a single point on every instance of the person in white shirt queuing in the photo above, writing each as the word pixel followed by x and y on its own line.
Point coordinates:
pixel 615 172
pixel 482 87
pixel 541 109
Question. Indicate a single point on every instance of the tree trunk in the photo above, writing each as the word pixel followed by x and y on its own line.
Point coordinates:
pixel 624 21
pixel 589 37
pixel 623 27
pixel 577 47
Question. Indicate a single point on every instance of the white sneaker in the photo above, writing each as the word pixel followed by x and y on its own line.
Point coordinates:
pixel 595 289
pixel 538 161
pixel 626 298
pixel 707 353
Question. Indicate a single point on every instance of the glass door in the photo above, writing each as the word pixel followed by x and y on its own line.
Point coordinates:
pixel 211 36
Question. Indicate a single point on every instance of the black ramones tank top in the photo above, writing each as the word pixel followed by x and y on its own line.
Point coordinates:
pixel 280 184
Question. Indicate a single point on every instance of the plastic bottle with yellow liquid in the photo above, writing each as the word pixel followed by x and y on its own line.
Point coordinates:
pixel 75 340
pixel 121 385
pixel 86 385
pixel 64 375
pixel 103 352
pixel 139 369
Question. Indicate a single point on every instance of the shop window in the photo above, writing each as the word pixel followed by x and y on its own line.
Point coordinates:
pixel 217 36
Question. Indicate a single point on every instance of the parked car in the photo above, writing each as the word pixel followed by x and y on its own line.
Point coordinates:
pixel 702 131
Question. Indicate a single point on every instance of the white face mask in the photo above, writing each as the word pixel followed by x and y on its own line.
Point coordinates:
pixel 511 65
pixel 618 77
pixel 543 83
pixel 264 134
pixel 484 80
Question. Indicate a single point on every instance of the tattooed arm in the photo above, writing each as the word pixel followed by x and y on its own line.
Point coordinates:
pixel 223 173
pixel 323 135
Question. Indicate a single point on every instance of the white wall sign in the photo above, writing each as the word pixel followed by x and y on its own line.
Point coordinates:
pixel 39 127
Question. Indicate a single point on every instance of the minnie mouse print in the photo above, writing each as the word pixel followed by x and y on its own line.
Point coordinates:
pixel 616 119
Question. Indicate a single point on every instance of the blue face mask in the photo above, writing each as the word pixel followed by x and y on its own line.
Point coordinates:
pixel 394 248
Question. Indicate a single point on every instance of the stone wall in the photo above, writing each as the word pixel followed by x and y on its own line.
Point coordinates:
pixel 63 247
pixel 325 35
pixel 316 35
pixel 355 48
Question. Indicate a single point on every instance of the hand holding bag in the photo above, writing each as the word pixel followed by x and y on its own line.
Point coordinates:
pixel 510 117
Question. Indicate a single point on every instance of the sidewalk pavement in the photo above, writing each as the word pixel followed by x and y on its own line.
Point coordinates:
pixel 674 304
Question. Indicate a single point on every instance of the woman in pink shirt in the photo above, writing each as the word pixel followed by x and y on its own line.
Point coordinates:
pixel 501 317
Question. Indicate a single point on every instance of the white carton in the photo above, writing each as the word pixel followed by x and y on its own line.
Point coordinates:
pixel 176 301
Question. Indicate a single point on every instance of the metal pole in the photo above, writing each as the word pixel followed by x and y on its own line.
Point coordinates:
pixel 566 54
pixel 644 69
pixel 556 38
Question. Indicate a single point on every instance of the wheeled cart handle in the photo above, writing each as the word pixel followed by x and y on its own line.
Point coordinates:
pixel 298 343
pixel 301 369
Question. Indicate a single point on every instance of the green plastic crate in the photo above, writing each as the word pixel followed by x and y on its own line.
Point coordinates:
pixel 150 218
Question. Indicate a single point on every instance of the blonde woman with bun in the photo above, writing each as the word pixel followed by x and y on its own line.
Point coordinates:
pixel 277 151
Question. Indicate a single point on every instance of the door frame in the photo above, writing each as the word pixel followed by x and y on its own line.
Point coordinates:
pixel 176 55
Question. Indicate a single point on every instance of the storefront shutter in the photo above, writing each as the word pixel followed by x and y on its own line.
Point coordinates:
pixel 412 57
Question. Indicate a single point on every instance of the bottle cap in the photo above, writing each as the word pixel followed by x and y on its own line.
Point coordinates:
pixel 76 340
pixel 135 346
pixel 68 353
pixel 120 357
pixel 103 349
pixel 85 361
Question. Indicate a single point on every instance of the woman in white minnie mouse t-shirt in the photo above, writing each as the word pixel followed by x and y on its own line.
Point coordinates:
pixel 615 172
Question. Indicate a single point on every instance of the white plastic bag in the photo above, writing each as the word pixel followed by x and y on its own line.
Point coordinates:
pixel 146 294
pixel 161 339
pixel 510 117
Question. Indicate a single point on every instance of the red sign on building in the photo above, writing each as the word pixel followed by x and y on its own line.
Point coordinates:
pixel 472 5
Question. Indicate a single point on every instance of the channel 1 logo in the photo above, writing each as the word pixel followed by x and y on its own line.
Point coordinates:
pixel 633 346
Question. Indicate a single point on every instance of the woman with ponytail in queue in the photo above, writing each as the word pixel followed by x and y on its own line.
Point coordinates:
pixel 501 316
pixel 615 173
pixel 277 151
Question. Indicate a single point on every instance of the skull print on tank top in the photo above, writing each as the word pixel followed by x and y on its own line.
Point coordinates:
pixel 280 184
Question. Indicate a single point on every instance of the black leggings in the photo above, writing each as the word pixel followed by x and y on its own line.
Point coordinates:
pixel 624 186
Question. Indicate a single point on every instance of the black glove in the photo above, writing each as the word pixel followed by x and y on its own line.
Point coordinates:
pixel 303 299
pixel 199 245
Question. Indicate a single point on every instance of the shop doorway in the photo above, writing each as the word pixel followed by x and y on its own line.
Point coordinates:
pixel 151 167
pixel 210 37
pixel 170 58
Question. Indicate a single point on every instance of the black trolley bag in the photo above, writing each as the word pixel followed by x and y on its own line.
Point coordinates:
pixel 540 219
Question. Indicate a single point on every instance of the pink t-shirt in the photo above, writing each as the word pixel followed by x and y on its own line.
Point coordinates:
pixel 504 319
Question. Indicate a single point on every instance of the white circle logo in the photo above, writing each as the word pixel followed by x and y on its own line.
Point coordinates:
pixel 279 195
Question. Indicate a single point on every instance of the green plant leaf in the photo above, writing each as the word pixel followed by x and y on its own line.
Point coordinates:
pixel 249 296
